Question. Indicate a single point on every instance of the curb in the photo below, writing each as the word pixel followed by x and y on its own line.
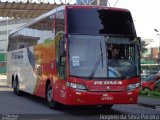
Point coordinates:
pixel 4 86
pixel 157 107
pixel 147 105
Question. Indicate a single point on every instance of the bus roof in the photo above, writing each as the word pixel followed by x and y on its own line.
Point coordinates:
pixel 62 8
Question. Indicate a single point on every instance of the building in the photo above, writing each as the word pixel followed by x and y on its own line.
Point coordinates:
pixel 6 26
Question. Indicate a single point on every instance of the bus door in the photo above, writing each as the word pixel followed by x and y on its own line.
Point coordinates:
pixel 61 66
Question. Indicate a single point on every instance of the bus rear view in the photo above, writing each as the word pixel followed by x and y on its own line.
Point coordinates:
pixel 103 56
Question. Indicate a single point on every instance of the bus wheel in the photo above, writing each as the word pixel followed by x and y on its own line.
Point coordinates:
pixel 49 96
pixel 16 87
pixel 107 106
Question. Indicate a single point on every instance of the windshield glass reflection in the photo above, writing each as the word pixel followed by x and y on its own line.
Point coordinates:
pixel 99 57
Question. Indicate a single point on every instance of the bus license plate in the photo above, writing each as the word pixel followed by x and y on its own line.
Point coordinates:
pixel 107 98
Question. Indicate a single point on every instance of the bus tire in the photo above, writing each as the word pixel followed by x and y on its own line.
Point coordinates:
pixel 16 87
pixel 49 96
pixel 107 106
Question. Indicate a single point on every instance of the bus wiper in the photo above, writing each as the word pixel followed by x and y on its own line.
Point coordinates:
pixel 101 53
pixel 97 63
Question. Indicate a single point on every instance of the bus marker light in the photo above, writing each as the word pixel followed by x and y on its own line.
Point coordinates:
pixel 78 99
pixel 129 93
pixel 78 93
pixel 131 99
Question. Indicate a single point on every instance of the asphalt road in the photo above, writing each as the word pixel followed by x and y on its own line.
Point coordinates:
pixel 29 106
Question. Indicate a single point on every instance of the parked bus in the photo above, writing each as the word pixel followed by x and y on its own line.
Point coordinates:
pixel 77 55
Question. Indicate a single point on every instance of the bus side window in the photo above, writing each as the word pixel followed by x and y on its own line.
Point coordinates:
pixel 62 58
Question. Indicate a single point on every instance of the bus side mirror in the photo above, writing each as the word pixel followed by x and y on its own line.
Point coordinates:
pixel 139 40
pixel 139 43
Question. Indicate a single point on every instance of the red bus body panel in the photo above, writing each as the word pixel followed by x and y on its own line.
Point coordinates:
pixel 97 94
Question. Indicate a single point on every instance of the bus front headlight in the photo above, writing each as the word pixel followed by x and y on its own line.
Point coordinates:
pixel 76 86
pixel 133 86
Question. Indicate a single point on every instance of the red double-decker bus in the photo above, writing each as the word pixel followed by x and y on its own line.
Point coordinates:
pixel 77 55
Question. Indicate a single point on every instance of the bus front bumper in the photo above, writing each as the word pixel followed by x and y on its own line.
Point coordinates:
pixel 77 97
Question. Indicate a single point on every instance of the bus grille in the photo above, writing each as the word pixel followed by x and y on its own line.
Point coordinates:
pixel 108 88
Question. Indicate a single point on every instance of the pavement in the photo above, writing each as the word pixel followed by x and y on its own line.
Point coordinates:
pixel 149 102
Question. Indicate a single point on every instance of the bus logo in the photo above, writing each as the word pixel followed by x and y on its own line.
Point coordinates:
pixel 108 83
pixel 108 88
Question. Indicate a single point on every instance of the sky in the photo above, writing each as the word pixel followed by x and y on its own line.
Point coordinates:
pixel 146 15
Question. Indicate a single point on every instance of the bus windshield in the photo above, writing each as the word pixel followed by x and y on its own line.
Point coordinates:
pixel 90 57
pixel 100 21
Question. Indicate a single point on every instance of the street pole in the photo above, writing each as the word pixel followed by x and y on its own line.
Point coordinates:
pixel 6 45
pixel 158 33
pixel 158 60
